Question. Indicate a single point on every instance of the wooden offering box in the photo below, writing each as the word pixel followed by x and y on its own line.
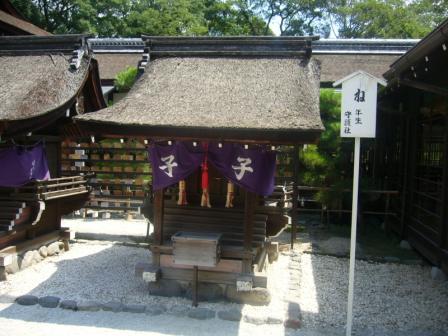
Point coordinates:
pixel 196 248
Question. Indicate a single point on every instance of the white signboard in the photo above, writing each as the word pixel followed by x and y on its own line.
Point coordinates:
pixel 358 120
pixel 358 110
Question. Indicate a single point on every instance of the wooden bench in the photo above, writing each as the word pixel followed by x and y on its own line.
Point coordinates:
pixel 228 222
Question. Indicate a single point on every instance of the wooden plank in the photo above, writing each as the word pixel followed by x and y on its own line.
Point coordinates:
pixel 211 276
pixel 224 265
pixel 233 252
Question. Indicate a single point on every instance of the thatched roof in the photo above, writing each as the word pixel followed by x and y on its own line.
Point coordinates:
pixel 42 78
pixel 34 85
pixel 336 66
pixel 111 64
pixel 238 94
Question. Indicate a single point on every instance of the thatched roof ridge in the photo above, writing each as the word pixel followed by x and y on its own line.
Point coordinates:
pixel 221 93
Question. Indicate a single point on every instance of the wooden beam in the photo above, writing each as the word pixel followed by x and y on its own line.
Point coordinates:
pixel 425 87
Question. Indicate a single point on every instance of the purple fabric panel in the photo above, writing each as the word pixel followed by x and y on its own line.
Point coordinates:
pixel 170 164
pixel 20 165
pixel 252 169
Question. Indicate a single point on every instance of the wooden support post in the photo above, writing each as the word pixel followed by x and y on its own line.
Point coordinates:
pixel 443 237
pixel 195 286
pixel 158 223
pixel 249 210
pixel 158 216
pixel 295 194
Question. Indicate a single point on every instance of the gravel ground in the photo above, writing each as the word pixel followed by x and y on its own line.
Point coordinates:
pixel 387 296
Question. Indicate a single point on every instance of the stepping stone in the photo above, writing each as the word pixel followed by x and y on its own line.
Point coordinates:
pixel 178 311
pixel 155 310
pixel 134 308
pixel 113 306
pixel 230 315
pixel 274 320
pixel 49 301
pixel 89 306
pixel 257 320
pixel 27 300
pixel 201 314
pixel 68 304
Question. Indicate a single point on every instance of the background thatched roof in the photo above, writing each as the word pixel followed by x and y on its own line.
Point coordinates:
pixel 269 93
pixel 34 85
pixel 111 64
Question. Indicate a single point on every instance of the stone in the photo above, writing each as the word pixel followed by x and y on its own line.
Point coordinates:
pixel 43 251
pixel 437 274
pixel 404 244
pixel 49 301
pixel 230 315
pixel 37 258
pixel 178 311
pixel 89 306
pixel 201 314
pixel 391 259
pixel 61 246
pixel 27 300
pixel 155 310
pixel 274 320
pixel 134 308
pixel 293 318
pixel 206 292
pixel 257 296
pixel 113 306
pixel 14 266
pixel 53 249
pixel 165 287
pixel 257 320
pixel 27 260
pixel 273 252
pixel 68 304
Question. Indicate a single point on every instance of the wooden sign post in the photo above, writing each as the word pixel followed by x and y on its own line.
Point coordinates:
pixel 358 120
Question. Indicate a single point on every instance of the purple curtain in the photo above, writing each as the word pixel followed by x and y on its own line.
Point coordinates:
pixel 252 169
pixel 173 163
pixel 20 165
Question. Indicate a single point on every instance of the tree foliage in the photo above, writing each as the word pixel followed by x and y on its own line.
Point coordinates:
pixel 325 164
pixel 346 18
pixel 125 79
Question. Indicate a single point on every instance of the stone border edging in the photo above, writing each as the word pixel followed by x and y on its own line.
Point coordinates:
pixel 232 314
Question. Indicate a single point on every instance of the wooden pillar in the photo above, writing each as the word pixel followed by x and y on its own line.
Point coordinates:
pixel 295 194
pixel 249 211
pixel 414 103
pixel 158 216
pixel 443 232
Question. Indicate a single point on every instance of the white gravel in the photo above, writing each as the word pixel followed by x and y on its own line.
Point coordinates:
pixel 388 296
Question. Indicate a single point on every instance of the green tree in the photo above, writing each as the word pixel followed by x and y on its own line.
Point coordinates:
pixel 376 19
pixel 125 79
pixel 324 164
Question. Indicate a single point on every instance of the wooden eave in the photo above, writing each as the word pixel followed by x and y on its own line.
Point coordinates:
pixel 277 137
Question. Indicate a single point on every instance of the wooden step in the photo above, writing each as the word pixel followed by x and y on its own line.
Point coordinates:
pixel 9 216
pixel 10 210
pixel 13 204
